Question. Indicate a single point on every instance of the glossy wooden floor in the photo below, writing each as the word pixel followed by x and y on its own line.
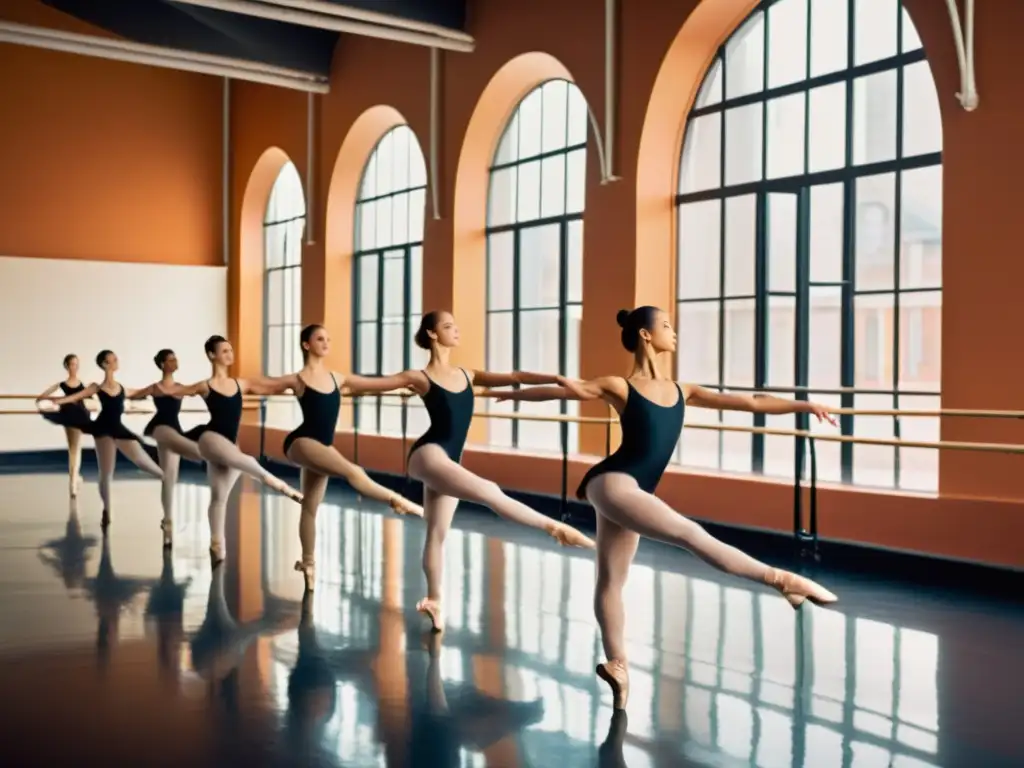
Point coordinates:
pixel 112 650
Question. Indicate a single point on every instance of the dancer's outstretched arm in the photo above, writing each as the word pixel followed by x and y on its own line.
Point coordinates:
pixel 353 384
pixel 201 388
pixel 606 387
pixel 140 394
pixel 89 391
pixel 263 386
pixel 45 394
pixel 490 379
pixel 700 397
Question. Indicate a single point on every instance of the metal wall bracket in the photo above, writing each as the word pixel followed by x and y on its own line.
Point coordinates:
pixel 963 38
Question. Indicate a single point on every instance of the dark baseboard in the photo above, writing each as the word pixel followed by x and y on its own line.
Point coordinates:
pixel 864 563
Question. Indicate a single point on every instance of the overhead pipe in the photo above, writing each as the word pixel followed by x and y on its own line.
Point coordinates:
pixel 332 23
pixel 310 159
pixel 157 56
pixel 373 17
pixel 435 128
pixel 968 94
pixel 610 90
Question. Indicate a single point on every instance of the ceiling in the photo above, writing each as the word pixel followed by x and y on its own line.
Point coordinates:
pixel 188 27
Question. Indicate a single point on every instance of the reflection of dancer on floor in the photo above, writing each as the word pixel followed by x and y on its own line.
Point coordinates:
pixel 112 594
pixel 171 441
pixel 109 434
pixel 220 643
pixel 68 556
pixel 445 721
pixel 75 419
pixel 166 605
pixel 311 445
pixel 621 487
pixel 447 393
pixel 217 439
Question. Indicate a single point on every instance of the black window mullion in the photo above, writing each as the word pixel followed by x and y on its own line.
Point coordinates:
pixel 516 320
pixel 761 325
pixel 848 322
pixel 897 226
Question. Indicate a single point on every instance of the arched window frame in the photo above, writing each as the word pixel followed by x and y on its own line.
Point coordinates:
pixel 914 168
pixel 536 198
pixel 389 223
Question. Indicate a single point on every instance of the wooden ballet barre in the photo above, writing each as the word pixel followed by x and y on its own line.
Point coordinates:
pixel 127 412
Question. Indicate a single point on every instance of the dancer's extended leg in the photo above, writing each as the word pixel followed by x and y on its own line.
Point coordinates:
pixel 137 455
pixel 439 510
pixel 177 442
pixel 106 457
pixel 217 449
pixel 431 465
pixel 325 460
pixel 222 480
pixel 618 497
pixel 169 462
pixel 74 437
pixel 314 486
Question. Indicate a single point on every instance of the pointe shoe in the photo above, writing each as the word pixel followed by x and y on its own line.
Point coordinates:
pixel 217 554
pixel 796 589
pixel 308 571
pixel 168 530
pixel 74 485
pixel 568 536
pixel 615 673
pixel 402 506
pixel 432 610
pixel 285 490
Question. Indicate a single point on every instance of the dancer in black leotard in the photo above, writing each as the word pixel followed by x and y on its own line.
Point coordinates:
pixel 217 439
pixel 447 393
pixel 311 445
pixel 165 429
pixel 75 419
pixel 621 487
pixel 109 434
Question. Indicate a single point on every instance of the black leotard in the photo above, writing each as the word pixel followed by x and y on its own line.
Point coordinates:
pixel 167 409
pixel 319 415
pixel 649 436
pixel 450 416
pixel 225 415
pixel 72 415
pixel 108 421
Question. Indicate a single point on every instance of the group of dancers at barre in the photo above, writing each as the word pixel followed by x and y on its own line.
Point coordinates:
pixel 620 487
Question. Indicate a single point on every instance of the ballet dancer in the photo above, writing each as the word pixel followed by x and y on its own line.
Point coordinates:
pixel 75 419
pixel 621 487
pixel 217 439
pixel 311 445
pixel 165 429
pixel 434 459
pixel 109 434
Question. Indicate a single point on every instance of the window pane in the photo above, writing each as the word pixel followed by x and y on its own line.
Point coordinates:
pixel 826 148
pixel 539 269
pixel 825 338
pixel 873 465
pixel 744 57
pixel 417 211
pixel 394 285
pixel 740 244
pixel 874 30
pixel 499 341
pixel 574 259
pixel 698 342
pixel 828 36
pixel 874 235
pixel 579 117
pixel 922 121
pixel 787 42
pixel 275 351
pixel 573 324
pixel 920 341
pixel 384 222
pixel 500 280
pixel 874 118
pixel 393 347
pixel 529 112
pixel 416 283
pixel 275 297
pixel 739 343
pixel 702 154
pixel 911 40
pixel 921 228
pixel 873 340
pixel 576 181
pixel 501 202
pixel 826 233
pixel 781 242
pixel 528 192
pixel 366 226
pixel 552 186
pixel 919 467
pixel 368 307
pixel 699 238
pixel 400 219
pixel 555 95
pixel 400 149
pixel 366 360
pixel 786 136
pixel 711 89
pixel 781 341
pixel 509 144
pixel 743 144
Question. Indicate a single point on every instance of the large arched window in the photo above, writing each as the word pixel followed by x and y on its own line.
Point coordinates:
pixel 535 253
pixel 283 225
pixel 388 275
pixel 810 197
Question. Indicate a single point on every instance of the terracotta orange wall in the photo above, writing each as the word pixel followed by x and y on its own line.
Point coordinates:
pixel 105 160
pixel 629 235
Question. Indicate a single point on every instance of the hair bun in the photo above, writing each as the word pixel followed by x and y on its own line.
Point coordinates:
pixel 622 317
